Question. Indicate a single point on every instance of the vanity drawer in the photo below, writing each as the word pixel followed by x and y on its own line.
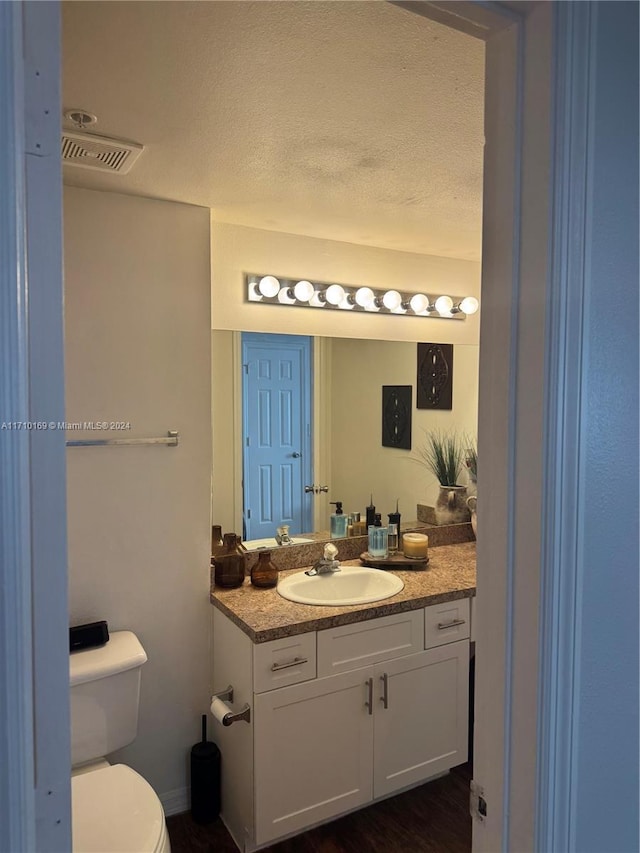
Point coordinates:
pixel 446 622
pixel 364 643
pixel 283 662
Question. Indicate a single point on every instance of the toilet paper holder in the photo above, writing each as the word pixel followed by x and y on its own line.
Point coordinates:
pixel 230 717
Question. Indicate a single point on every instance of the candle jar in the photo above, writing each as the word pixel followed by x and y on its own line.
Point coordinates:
pixel 415 545
pixel 263 573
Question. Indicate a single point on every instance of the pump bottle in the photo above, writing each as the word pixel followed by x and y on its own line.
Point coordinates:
pixel 338 521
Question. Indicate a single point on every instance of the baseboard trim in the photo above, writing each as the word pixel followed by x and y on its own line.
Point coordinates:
pixel 176 801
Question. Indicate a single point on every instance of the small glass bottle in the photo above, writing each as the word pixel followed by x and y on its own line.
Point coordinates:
pixel 263 573
pixel 392 539
pixel 229 564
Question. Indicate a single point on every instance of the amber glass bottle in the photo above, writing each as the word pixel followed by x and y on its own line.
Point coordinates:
pixel 264 573
pixel 229 563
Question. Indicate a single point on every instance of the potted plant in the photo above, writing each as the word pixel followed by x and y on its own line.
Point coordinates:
pixel 443 454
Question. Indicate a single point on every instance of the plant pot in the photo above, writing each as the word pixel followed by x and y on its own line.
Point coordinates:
pixel 472 503
pixel 451 506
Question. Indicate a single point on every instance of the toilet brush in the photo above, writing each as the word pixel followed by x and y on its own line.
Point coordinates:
pixel 205 779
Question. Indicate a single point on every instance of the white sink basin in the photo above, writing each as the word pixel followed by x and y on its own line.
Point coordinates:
pixel 351 585
pixel 258 544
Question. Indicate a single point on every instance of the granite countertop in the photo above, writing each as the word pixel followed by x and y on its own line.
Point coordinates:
pixel 264 615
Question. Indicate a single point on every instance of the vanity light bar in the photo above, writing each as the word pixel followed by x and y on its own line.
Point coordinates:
pixel 273 290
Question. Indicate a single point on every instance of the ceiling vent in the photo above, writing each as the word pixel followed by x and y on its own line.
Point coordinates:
pixel 89 151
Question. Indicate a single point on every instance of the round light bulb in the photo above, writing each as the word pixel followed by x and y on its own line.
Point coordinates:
pixel 365 297
pixel 303 291
pixel 392 300
pixel 444 304
pixel 285 297
pixel 469 305
pixel 419 303
pixel 334 294
pixel 269 286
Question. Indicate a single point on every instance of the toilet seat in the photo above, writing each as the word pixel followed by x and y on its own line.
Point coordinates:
pixel 115 810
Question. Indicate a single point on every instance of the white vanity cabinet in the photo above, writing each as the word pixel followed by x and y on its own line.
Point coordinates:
pixel 373 712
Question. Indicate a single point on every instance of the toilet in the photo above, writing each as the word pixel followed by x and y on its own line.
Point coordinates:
pixel 114 810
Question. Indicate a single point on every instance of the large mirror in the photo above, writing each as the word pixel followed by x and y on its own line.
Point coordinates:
pixel 345 428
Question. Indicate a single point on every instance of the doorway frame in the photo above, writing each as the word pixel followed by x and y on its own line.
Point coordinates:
pixel 514 301
pixel 35 770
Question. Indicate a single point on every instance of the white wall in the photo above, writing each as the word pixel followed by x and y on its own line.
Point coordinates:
pixel 137 290
pixel 236 250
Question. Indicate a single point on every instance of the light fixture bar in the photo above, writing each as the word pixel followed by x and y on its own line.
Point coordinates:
pixel 303 293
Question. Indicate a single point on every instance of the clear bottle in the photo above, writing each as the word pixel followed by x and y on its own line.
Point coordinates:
pixel 263 573
pixel 392 539
pixel 229 564
pixel 353 524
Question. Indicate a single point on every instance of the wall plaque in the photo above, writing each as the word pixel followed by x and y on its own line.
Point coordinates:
pixel 396 416
pixel 435 376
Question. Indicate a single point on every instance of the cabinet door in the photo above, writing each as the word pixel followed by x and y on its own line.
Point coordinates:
pixel 421 716
pixel 313 752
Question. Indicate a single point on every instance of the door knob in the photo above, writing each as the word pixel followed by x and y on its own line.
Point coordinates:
pixel 296 455
pixel 323 489
pixel 308 489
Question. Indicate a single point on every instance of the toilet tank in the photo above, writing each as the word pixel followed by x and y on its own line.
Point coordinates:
pixel 105 693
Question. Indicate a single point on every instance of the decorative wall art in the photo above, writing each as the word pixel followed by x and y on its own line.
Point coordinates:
pixel 435 376
pixel 396 416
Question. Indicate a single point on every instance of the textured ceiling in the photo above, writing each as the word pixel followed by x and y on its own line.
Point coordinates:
pixel 353 121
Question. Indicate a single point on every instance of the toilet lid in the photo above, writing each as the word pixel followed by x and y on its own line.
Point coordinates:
pixel 115 810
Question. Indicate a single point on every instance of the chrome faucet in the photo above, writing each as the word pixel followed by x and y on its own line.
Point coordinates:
pixel 282 535
pixel 327 564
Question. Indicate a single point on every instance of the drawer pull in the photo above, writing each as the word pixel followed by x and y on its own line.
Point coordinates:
pixel 276 667
pixel 452 624
pixel 385 690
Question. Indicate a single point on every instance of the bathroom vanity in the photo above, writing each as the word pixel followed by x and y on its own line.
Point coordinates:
pixel 348 704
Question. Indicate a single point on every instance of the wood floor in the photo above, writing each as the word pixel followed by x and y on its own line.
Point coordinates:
pixel 433 818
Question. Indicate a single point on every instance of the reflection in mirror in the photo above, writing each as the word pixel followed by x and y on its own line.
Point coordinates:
pixel 346 428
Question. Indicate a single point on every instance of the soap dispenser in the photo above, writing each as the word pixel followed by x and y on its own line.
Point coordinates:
pixel 338 521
